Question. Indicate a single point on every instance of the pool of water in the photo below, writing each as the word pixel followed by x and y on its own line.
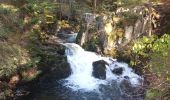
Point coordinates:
pixel 57 91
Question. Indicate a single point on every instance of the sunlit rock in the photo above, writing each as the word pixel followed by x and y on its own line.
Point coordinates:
pixel 138 28
pixel 108 27
pixel 128 32
pixel 14 80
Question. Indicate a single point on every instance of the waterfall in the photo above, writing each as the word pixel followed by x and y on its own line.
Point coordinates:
pixel 81 65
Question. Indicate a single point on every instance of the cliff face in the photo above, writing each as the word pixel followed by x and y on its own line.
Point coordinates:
pixel 119 28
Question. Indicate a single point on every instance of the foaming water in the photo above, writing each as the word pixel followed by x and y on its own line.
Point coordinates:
pixel 82 85
pixel 81 65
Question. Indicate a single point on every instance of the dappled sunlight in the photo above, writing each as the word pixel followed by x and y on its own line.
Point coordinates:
pixel 9 7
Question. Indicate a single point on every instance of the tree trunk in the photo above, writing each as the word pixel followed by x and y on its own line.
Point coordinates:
pixel 95 4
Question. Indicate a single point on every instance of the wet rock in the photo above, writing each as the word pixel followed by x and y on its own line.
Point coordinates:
pixel 81 36
pixel 117 71
pixel 21 92
pixel 68 36
pixel 56 72
pixel 131 92
pixel 62 70
pixel 99 69
pixel 53 64
pixel 126 77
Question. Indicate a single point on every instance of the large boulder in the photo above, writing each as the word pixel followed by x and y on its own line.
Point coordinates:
pixel 99 69
pixel 118 71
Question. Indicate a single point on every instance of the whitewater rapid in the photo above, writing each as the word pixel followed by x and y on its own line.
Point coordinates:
pixel 81 77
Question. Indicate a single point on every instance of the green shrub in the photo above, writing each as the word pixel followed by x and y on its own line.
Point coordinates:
pixel 153 44
pixel 157 50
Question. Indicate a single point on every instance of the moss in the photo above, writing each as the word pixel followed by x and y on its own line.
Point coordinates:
pixel 130 18
pixel 11 57
pixel 94 44
pixel 152 94
pixel 112 52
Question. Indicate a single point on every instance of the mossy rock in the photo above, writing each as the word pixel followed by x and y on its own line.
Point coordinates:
pixel 57 71
pixel 94 45
pixel 30 74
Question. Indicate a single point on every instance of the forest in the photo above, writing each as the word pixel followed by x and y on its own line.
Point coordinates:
pixel 60 49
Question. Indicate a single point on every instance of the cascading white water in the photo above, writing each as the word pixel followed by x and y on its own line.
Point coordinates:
pixel 81 65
